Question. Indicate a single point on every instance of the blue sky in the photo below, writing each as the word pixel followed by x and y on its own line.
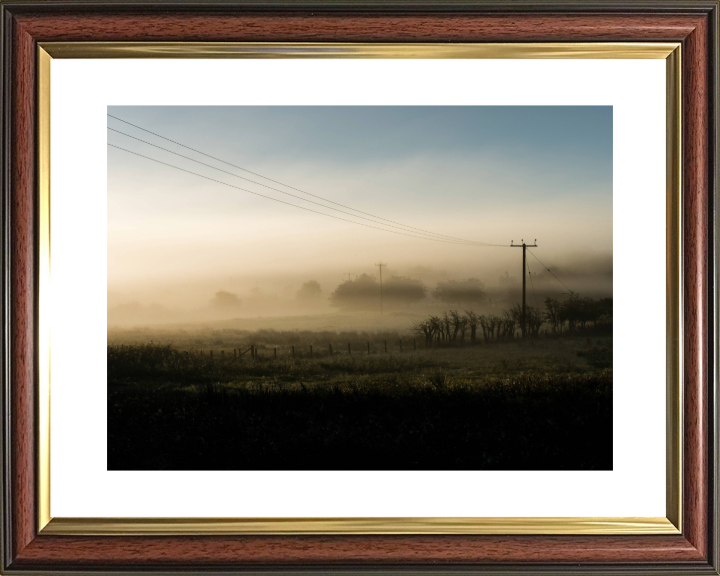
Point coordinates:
pixel 486 173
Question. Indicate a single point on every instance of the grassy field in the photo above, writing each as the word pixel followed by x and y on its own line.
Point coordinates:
pixel 535 405
pixel 335 322
pixel 332 320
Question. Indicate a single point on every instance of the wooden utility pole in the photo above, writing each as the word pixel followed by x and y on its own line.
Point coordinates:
pixel 381 302
pixel 524 276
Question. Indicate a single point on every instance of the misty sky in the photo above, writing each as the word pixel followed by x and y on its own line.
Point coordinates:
pixel 491 174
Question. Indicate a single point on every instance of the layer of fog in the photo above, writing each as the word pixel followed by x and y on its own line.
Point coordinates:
pixel 175 242
pixel 236 295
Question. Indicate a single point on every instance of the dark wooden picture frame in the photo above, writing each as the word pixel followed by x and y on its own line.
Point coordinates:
pixel 694 24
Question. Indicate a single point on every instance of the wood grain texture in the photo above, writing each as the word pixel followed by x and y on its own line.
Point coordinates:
pixel 45 552
pixel 224 551
pixel 23 293
pixel 695 238
pixel 249 27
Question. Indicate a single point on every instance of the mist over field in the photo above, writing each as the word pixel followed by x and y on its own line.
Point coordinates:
pixel 281 295
pixel 185 249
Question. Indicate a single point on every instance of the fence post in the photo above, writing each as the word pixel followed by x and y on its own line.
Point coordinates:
pixel 349 350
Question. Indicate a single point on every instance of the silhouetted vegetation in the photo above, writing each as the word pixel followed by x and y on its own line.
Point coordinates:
pixel 363 293
pixel 524 404
pixel 309 291
pixel 577 312
pixel 225 299
pixel 461 292
pixel 573 314
pixel 435 422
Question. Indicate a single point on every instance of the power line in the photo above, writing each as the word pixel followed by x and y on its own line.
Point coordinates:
pixel 282 184
pixel 283 201
pixel 551 272
pixel 282 191
pixel 532 284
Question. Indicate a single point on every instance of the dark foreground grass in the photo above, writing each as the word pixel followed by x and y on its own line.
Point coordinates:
pixel 168 410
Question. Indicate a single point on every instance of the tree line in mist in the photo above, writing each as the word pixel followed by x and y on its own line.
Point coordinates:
pixel 573 313
pixel 364 293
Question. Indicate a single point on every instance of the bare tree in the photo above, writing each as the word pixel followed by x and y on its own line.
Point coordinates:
pixel 507 326
pixel 553 314
pixel 456 321
pixel 463 328
pixel 426 329
pixel 446 323
pixel 533 318
pixel 437 327
pixel 472 322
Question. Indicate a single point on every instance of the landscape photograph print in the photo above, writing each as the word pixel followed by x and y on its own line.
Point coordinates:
pixel 360 288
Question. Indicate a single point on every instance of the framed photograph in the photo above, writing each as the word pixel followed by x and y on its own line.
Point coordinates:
pixel 293 287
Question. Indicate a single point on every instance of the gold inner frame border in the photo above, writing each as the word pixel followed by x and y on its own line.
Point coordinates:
pixel 671 524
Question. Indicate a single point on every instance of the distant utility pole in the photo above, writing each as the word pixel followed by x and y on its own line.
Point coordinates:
pixel 348 275
pixel 524 276
pixel 381 302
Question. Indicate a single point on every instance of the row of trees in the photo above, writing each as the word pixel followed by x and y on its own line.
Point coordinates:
pixel 364 292
pixel 310 291
pixel 453 326
pixel 570 314
pixel 576 312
